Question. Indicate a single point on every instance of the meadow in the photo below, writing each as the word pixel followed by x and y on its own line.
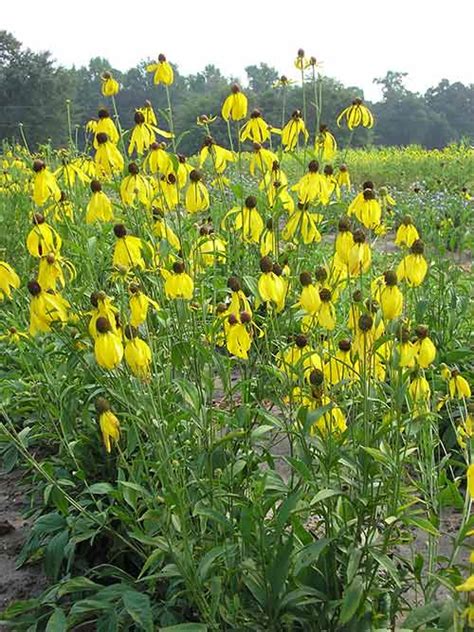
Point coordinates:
pixel 237 384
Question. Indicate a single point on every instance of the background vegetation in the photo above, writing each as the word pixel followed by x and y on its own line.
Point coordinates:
pixel 34 89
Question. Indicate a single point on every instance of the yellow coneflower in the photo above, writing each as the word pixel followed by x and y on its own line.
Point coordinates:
pixel 355 115
pixel 108 423
pixel 178 283
pixel 292 130
pixel 235 105
pixel 163 71
pixel 110 86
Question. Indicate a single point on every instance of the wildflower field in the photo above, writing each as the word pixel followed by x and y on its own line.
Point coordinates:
pixel 237 383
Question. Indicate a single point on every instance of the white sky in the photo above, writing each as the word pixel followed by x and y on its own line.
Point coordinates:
pixel 356 40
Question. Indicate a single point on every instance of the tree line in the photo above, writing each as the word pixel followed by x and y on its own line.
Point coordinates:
pixel 53 103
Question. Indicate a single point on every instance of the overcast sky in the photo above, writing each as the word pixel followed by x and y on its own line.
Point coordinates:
pixel 355 40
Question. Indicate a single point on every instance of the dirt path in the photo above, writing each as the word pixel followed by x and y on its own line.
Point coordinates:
pixel 27 581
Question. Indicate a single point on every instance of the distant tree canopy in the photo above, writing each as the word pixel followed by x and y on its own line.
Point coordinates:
pixel 34 91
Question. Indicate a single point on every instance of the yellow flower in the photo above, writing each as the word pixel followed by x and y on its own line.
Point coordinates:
pixel 332 184
pixel 50 273
pixel 458 386
pixel 103 307
pixel 424 348
pixel 163 71
pixel 137 354
pixel 110 86
pixel 325 144
pixel 326 314
pixel 197 196
pixel 386 199
pixel 369 211
pixel 167 195
pixel 157 159
pixel 219 155
pixel 209 248
pixel 203 120
pixel 271 287
pixel 105 125
pixel 143 134
pixel 108 158
pixel 344 241
pixel 290 133
pixel 108 422
pixel 309 299
pixel 283 82
pixel 406 233
pixel 99 207
pixel 275 185
pixel 238 301
pixel 357 114
pixel 238 339
pixel 298 357
pixel 343 177
pixel 44 184
pixel 360 256
pixel 312 186
pixel 246 219
pixel 468 585
pixel 470 480
pixel 128 250
pixel 413 267
pixel 420 393
pixel 9 280
pixel 42 238
pixel 149 113
pixel 45 308
pixel 69 172
pixel 178 283
pixel 340 367
pixel 108 348
pixel 302 62
pixel 255 129
pixel 302 223
pixel 391 299
pixel 465 430
pixel 162 230
pixel 235 105
pixel 135 187
pixel 262 159
pixel 139 304
pixel 268 240
pixel 14 336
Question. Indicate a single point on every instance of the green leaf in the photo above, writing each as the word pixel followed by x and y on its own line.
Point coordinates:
pixel 208 559
pixel 139 608
pixel 323 494
pixel 260 431
pixel 377 455
pixel 57 621
pixel 77 584
pixel 279 568
pixel 54 554
pixel 351 600
pixel 309 554
pixel 49 523
pixel 423 524
pixel 212 514
pixel 423 615
pixel 101 488
pixel 300 467
pixel 386 563
pixel 189 393
pixel 286 508
pixel 185 627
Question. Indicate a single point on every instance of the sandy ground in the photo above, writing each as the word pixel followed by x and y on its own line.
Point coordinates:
pixel 28 581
